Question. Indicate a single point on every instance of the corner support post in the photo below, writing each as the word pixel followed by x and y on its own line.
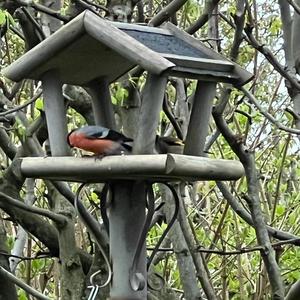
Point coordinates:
pixel 55 113
pixel 101 103
pixel 199 119
pixel 152 100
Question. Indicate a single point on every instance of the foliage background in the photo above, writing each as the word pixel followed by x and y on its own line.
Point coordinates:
pixel 262 36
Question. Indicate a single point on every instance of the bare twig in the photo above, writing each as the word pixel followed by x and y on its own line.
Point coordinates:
pixel 41 256
pixel 246 250
pixel 44 9
pixel 40 211
pixel 96 5
pixel 244 214
pixel 167 12
pixel 34 22
pixel 33 99
pixel 271 58
pixel 254 101
pixel 209 7
pixel 171 118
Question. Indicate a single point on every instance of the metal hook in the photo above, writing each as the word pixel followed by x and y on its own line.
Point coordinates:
pixel 93 276
pixel 94 292
pixel 94 287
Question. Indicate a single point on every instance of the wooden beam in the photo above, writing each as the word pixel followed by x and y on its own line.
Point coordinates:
pixel 159 167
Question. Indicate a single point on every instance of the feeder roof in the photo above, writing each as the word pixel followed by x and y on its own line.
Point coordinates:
pixel 90 47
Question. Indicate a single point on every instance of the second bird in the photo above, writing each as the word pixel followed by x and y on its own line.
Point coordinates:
pixel 99 140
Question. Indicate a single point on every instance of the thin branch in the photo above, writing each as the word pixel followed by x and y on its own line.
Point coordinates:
pixel 34 23
pixel 293 113
pixel 86 5
pixel 243 213
pixel 25 257
pixel 247 250
pixel 96 5
pixel 44 9
pixel 271 58
pixel 167 12
pixel 254 101
pixel 40 211
pixel 209 7
pixel 17 108
pixel 23 285
pixel 171 118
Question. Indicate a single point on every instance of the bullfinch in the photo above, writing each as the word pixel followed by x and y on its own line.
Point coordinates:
pixel 99 140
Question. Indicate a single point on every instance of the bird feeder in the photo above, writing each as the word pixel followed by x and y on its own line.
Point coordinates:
pixel 92 52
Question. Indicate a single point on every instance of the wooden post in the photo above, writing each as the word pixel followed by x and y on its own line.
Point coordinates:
pixel 152 100
pixel 101 102
pixel 126 221
pixel 55 113
pixel 199 120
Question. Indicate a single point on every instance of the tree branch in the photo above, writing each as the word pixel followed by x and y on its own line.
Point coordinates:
pixel 44 9
pixel 167 12
pixel 209 7
pixel 271 58
pixel 254 101
pixel 247 158
pixel 23 285
pixel 60 220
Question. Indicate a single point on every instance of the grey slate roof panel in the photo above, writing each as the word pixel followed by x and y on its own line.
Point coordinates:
pixel 163 43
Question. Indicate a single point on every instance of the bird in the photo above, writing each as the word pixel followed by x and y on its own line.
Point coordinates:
pixel 100 140
pixel 168 144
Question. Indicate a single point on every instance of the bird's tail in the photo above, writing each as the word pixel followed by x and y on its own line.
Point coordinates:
pixel 127 146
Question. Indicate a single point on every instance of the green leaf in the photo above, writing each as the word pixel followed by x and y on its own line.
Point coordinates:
pixel 22 295
pixel 2 17
pixel 39 104
pixel 20 127
pixel 94 197
pixel 121 94
pixel 280 209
